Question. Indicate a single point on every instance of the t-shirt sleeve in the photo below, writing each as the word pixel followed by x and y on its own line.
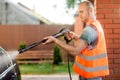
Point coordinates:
pixel 89 34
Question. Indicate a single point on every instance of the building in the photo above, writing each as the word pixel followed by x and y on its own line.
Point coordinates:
pixel 11 13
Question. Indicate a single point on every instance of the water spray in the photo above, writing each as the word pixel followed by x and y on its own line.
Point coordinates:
pixel 6 64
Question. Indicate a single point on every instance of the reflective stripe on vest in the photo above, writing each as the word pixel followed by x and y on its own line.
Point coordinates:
pixel 91 69
pixel 93 57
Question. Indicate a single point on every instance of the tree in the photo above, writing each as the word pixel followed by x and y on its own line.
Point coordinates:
pixel 57 57
pixel 72 3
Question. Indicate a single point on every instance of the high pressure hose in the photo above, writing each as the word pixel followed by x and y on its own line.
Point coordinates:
pixel 67 41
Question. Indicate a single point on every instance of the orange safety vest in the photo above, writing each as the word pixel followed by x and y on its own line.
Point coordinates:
pixel 94 62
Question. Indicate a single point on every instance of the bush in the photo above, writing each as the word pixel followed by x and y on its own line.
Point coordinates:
pixel 22 45
pixel 57 57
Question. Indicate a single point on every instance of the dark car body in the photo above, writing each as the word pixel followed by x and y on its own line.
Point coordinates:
pixel 9 69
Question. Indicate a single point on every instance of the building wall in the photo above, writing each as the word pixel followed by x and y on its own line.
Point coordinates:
pixel 2 12
pixel 13 14
pixel 108 13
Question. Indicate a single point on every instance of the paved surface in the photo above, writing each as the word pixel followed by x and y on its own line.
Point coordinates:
pixel 49 77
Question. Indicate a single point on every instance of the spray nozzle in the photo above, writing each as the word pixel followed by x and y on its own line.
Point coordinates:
pixel 31 46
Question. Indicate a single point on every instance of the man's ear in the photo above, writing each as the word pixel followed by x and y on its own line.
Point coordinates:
pixel 90 10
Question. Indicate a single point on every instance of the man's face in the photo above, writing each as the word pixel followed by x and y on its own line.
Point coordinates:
pixel 83 12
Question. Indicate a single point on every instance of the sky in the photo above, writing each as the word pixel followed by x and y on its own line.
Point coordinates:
pixel 53 10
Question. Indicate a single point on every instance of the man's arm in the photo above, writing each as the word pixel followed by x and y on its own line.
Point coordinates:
pixel 88 35
pixel 73 50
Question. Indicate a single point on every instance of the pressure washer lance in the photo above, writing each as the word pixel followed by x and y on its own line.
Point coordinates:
pixel 56 35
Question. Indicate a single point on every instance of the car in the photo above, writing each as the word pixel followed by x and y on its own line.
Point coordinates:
pixel 9 68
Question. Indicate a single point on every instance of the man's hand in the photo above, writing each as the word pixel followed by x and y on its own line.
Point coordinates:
pixel 49 39
pixel 71 35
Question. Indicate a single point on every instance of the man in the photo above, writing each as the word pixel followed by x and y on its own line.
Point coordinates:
pixel 91 61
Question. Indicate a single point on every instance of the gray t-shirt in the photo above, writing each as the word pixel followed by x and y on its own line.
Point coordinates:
pixel 90 35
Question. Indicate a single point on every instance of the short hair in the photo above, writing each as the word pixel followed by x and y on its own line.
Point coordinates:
pixel 88 4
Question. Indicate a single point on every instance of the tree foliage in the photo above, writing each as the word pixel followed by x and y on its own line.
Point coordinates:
pixel 71 3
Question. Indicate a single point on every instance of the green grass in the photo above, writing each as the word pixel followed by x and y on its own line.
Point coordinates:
pixel 44 69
